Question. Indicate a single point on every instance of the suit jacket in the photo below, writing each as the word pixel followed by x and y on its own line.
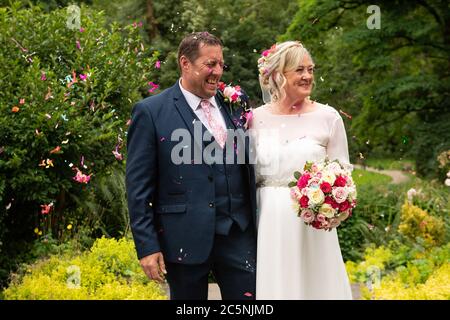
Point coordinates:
pixel 171 206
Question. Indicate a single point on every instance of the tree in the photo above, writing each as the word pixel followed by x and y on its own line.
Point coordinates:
pixel 393 80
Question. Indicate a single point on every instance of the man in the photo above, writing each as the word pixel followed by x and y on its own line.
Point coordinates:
pixel 191 218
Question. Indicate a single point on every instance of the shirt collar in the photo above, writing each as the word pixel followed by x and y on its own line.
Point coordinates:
pixel 193 100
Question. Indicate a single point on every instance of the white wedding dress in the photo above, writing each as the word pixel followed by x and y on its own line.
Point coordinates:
pixel 295 261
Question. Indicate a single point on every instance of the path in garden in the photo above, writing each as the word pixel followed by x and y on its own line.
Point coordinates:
pixel 214 292
pixel 397 176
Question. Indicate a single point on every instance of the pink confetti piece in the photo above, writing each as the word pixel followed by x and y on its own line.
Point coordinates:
pixel 153 85
pixel 83 76
pixel 158 64
pixel 162 139
pixel 78 45
pixel 21 101
pixel 82 29
pixel 248 294
pixel 345 114
pixel 43 77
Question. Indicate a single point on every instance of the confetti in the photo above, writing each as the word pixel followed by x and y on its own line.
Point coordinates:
pixel 361 156
pixel 15 109
pixel 153 85
pixel 46 163
pixel 8 206
pixel 78 45
pixel 345 114
pixel 158 64
pixel 56 150
pixel 43 77
pixel 49 94
pixel 162 139
pixel 21 101
pixel 248 294
pixel 82 29
pixel 65 141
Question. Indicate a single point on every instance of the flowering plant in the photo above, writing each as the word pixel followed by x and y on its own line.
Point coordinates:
pixel 324 193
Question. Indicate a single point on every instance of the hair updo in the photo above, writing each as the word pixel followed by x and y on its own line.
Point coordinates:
pixel 280 58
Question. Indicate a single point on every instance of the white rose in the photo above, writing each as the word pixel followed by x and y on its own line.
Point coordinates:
pixel 327 210
pixel 328 176
pixel 315 196
pixel 335 168
pixel 340 194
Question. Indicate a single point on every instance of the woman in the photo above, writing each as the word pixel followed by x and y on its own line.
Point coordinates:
pixel 295 261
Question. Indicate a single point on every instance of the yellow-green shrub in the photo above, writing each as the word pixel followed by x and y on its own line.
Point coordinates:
pixel 416 222
pixel 110 270
pixel 373 258
pixel 437 287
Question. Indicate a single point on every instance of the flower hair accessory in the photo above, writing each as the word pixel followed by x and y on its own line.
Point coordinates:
pixel 262 62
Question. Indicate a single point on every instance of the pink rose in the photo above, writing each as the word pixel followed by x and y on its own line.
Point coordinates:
pixel 340 182
pixel 344 206
pixel 304 200
pixel 303 181
pixel 228 92
pixel 340 194
pixel 325 187
pixel 331 202
pixel 307 216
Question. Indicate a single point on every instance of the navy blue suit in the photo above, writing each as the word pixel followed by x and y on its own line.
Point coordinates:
pixel 200 216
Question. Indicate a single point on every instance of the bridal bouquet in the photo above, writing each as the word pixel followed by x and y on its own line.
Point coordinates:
pixel 324 193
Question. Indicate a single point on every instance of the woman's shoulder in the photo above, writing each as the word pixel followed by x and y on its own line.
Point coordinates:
pixel 327 110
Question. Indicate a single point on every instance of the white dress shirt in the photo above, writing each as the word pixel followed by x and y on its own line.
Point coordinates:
pixel 194 102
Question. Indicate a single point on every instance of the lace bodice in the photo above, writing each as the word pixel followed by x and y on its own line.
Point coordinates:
pixel 285 142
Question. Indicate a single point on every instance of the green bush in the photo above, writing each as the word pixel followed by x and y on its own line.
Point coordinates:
pixel 110 270
pixel 51 124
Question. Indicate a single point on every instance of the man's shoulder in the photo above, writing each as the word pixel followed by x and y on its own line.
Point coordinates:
pixel 157 101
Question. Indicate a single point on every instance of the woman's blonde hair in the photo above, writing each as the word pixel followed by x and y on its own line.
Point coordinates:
pixel 280 58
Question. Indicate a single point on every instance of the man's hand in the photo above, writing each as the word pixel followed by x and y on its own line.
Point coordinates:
pixel 154 266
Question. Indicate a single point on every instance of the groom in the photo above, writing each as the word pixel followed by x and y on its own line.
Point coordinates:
pixel 192 217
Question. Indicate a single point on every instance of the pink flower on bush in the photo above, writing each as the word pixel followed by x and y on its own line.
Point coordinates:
pixel 80 177
pixel 46 208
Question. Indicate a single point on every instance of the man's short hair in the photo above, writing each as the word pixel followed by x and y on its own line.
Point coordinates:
pixel 190 45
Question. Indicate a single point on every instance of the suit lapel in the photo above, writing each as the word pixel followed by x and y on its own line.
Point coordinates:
pixel 188 116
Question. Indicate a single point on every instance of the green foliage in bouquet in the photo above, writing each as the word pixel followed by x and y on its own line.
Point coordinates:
pixel 110 270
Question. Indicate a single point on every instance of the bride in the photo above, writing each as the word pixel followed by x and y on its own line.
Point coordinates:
pixel 295 261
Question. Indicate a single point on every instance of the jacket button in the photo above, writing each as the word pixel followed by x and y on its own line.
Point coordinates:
pixel 211 205
pixel 210 178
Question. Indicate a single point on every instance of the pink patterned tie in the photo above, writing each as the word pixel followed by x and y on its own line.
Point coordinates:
pixel 219 133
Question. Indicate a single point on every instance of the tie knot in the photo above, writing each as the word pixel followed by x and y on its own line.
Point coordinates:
pixel 205 104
